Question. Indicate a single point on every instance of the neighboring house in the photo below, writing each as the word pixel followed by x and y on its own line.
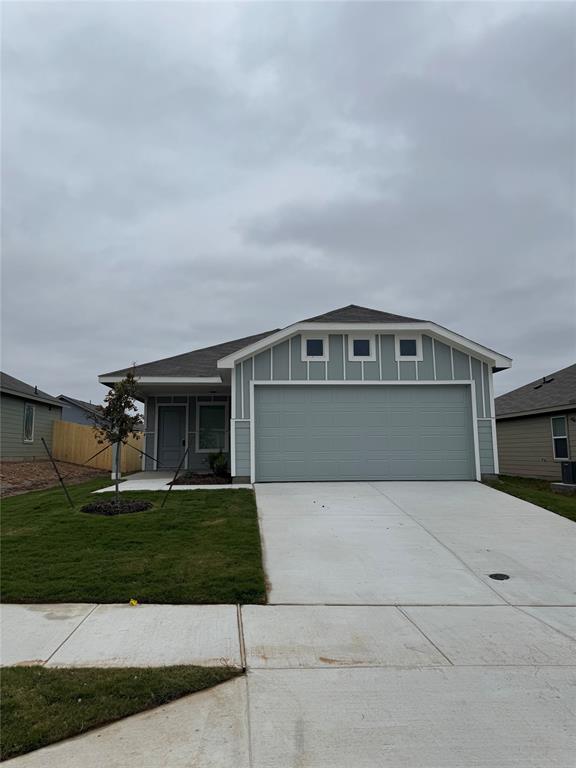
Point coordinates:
pixel 353 394
pixel 78 411
pixel 27 415
pixel 536 426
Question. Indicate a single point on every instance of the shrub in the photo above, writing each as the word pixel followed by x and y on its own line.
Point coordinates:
pixel 218 464
pixel 110 508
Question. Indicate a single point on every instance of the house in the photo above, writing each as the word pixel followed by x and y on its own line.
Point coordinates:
pixel 536 426
pixel 27 416
pixel 78 411
pixel 352 394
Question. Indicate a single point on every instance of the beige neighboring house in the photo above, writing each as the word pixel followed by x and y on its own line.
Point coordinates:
pixel 536 426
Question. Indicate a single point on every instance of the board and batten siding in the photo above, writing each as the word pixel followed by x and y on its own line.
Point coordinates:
pixel 195 461
pixel 525 445
pixel 12 445
pixel 283 362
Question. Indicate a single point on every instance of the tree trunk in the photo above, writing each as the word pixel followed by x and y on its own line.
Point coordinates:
pixel 117 480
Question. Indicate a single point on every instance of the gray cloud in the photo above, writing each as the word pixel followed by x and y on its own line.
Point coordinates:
pixel 178 174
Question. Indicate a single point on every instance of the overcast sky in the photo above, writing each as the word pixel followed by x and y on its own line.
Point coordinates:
pixel 179 174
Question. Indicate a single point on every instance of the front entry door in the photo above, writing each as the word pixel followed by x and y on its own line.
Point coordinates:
pixel 171 435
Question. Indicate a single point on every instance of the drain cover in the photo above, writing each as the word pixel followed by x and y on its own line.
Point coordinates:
pixel 499 576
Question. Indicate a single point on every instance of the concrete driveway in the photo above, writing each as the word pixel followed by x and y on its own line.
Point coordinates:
pixel 412 544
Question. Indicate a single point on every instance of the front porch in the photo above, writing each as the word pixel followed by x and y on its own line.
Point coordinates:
pixel 188 424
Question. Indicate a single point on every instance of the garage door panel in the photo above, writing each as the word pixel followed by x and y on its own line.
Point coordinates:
pixel 328 432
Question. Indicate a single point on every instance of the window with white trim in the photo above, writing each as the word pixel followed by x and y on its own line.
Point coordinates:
pixel 361 347
pixel 408 347
pixel 28 423
pixel 560 437
pixel 314 347
pixel 211 427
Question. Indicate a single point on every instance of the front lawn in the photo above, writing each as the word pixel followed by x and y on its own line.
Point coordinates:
pixel 536 492
pixel 203 547
pixel 41 706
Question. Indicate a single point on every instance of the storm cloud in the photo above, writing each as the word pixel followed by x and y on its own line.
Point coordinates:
pixel 179 174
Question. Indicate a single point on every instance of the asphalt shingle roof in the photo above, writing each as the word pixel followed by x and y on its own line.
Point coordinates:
pixel 14 386
pixel 199 362
pixel 202 362
pixel 553 391
pixel 90 407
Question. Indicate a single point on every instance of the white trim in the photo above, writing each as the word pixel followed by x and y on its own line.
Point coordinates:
pixel 290 357
pixel 452 360
pixel 24 438
pixel 323 337
pixel 211 404
pixel 242 384
pixel 493 358
pixel 272 361
pixel 233 394
pixel 417 337
pixel 353 383
pixel 560 437
pixel 164 379
pixel 434 357
pixel 370 338
pixel 482 382
pixel 232 449
pixel 379 342
pixel 344 343
pixel 157 435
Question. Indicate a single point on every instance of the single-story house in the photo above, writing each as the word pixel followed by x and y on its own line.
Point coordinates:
pixel 27 415
pixel 78 411
pixel 536 426
pixel 352 394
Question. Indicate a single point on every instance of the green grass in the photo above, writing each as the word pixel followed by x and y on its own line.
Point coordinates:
pixel 41 706
pixel 203 547
pixel 537 492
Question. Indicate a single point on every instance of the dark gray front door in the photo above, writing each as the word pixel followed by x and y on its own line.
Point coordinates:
pixel 171 435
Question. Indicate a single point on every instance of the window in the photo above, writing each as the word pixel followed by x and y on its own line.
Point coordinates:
pixel 407 347
pixel 560 437
pixel 362 347
pixel 212 431
pixel 314 348
pixel 28 423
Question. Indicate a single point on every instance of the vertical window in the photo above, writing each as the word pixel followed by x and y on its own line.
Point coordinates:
pixel 560 437
pixel 28 423
pixel 211 434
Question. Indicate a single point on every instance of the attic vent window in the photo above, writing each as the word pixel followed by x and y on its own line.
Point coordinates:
pixel 314 348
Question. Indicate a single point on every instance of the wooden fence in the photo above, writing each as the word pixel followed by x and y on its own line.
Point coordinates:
pixel 76 443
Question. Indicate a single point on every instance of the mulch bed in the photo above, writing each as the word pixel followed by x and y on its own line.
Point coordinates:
pixel 110 508
pixel 195 478
pixel 18 477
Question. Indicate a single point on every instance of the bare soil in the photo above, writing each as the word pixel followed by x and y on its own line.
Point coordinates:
pixel 18 477
pixel 196 478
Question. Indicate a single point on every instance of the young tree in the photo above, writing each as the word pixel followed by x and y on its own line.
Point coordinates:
pixel 118 418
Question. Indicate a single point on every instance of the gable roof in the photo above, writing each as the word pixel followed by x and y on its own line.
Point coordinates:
pixel 199 362
pixel 18 388
pixel 89 407
pixel 549 393
pixel 355 314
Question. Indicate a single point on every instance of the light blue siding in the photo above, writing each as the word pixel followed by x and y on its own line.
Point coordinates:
pixel 372 367
pixel 477 376
pixel 262 365
pixel 353 367
pixel 485 447
pixel 299 367
pixel 407 370
pixel 389 364
pixel 335 366
pixel 242 448
pixel 486 383
pixel 443 361
pixel 281 361
pixel 238 386
pixel 426 365
pixel 317 370
pixel 247 375
pixel 461 365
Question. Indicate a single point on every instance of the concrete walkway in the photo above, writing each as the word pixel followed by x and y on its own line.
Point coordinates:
pixel 160 481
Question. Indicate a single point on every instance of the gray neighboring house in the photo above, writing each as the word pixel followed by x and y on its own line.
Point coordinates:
pixel 78 411
pixel 352 394
pixel 27 415
pixel 536 426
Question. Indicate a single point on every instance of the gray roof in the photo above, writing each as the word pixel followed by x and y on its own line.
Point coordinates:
pixel 89 407
pixel 202 362
pixel 199 362
pixel 13 386
pixel 549 393
pixel 355 314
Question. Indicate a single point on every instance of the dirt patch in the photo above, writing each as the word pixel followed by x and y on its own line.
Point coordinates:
pixel 195 478
pixel 22 476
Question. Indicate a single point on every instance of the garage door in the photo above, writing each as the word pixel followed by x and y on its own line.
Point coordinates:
pixel 349 432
